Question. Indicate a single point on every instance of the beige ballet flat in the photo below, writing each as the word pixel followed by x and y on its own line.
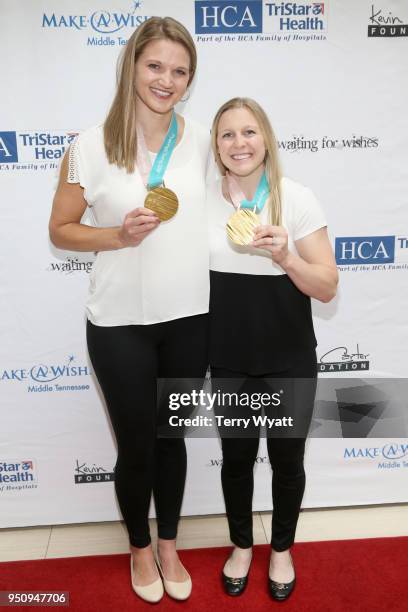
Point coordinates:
pixel 151 592
pixel 176 590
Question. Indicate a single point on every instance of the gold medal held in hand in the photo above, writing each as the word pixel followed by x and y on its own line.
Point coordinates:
pixel 240 226
pixel 162 201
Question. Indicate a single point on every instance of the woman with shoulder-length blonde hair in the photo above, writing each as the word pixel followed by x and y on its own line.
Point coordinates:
pixel 142 175
pixel 269 254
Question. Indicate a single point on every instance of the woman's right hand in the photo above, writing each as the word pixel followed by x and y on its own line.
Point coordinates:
pixel 137 224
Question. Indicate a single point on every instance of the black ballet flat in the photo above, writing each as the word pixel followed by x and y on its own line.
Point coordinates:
pixel 234 586
pixel 281 590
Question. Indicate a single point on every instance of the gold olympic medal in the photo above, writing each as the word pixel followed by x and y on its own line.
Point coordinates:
pixel 240 226
pixel 163 202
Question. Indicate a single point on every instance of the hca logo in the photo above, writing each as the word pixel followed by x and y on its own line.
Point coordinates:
pixel 8 147
pixel 228 17
pixel 365 250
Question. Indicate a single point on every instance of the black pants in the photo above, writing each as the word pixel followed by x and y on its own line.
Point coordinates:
pixel 286 458
pixel 127 361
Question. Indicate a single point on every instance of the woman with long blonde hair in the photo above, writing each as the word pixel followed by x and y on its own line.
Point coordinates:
pixel 141 174
pixel 269 254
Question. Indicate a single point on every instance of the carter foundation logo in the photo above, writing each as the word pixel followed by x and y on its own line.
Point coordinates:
pixel 341 359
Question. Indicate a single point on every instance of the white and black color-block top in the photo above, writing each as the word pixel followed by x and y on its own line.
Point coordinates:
pixel 260 321
pixel 166 276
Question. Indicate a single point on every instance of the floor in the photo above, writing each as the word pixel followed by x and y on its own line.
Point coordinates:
pixel 201 532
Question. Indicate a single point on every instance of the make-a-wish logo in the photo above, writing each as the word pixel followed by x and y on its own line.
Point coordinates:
pixel 71 265
pixel 49 377
pixel 17 475
pixel 33 150
pixel 341 359
pixel 102 22
pixel 383 23
pixel 91 472
pixel 389 456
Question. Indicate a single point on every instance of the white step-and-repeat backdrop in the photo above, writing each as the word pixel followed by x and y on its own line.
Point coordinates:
pixel 333 77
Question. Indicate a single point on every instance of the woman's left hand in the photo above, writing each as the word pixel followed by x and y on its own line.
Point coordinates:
pixel 273 238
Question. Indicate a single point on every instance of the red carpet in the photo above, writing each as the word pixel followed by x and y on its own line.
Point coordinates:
pixel 338 576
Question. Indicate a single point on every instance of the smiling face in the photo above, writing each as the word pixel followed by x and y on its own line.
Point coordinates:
pixel 162 74
pixel 240 141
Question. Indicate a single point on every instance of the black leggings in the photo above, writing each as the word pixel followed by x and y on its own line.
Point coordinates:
pixel 286 458
pixel 127 360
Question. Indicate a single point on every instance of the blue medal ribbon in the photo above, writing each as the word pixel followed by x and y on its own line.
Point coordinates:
pixel 260 197
pixel 163 157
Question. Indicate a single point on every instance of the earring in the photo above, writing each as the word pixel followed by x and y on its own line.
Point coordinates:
pixel 187 98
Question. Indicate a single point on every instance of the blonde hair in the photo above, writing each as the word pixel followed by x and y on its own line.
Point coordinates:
pixel 120 125
pixel 272 168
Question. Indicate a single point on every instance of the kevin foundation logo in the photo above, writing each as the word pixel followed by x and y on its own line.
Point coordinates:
pixel 386 23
